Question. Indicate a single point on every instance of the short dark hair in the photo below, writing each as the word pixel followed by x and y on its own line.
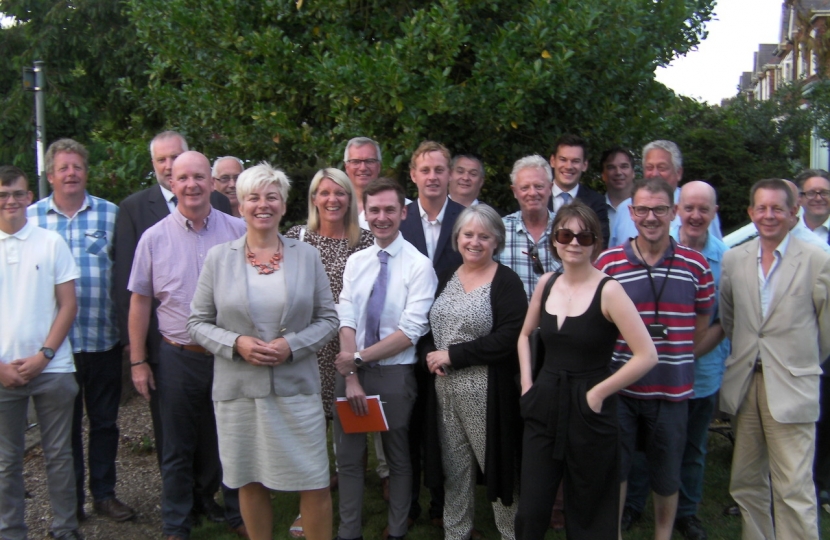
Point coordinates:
pixel 9 174
pixel 805 175
pixel 772 183
pixel 471 157
pixel 586 216
pixel 381 184
pixel 612 152
pixel 569 139
pixel 653 185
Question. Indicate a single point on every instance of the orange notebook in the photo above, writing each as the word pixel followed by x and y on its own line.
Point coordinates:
pixel 374 421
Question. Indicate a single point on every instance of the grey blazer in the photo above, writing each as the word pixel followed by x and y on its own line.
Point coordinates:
pixel 220 312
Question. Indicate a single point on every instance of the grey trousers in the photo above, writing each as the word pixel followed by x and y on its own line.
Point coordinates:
pixel 54 397
pixel 397 389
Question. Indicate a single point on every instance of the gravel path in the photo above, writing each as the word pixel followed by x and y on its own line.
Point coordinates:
pixel 139 483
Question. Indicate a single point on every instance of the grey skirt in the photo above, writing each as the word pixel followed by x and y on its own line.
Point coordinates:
pixel 279 442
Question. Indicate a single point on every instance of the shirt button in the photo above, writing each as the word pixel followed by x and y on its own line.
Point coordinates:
pixel 761 335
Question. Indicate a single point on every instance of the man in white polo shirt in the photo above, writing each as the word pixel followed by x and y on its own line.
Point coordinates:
pixel 37 284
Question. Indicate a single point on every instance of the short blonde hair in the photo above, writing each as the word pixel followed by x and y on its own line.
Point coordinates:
pixel 425 148
pixel 260 176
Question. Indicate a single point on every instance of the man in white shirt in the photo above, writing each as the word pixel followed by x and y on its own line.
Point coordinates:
pixel 814 197
pixel 617 170
pixel 378 332
pixel 37 277
pixel 362 162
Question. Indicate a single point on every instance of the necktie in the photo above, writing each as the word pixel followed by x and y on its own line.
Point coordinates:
pixel 174 200
pixel 566 198
pixel 376 300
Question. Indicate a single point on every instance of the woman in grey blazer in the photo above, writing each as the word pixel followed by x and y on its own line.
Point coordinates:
pixel 263 307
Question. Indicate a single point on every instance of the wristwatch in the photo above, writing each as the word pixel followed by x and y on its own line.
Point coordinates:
pixel 48 353
pixel 358 361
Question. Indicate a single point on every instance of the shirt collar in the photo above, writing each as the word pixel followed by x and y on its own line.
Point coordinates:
pixel 520 223
pixel 89 202
pixel 395 247
pixel 780 250
pixel 185 223
pixel 557 190
pixel 22 234
pixel 826 223
pixel 166 193
pixel 440 217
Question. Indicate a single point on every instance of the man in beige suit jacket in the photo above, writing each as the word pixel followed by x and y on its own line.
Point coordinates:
pixel 775 309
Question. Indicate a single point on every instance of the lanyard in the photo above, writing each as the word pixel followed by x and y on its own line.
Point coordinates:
pixel 654 292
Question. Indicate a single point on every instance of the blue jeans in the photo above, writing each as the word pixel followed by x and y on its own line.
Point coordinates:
pixel 99 381
pixel 691 469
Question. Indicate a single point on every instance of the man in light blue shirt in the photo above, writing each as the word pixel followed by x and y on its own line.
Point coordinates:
pixel 660 158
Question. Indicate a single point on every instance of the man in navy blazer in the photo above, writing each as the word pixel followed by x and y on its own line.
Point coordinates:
pixel 137 213
pixel 568 161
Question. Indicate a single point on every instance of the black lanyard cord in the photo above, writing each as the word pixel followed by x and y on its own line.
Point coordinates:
pixel 657 296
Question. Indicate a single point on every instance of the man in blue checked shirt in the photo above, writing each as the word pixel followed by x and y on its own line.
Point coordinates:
pixel 87 223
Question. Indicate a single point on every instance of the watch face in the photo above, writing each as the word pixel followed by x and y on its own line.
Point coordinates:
pixel 48 353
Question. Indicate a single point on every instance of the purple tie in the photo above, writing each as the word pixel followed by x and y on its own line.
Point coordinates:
pixel 376 301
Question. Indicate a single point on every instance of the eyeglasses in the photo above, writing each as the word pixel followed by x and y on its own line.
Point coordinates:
pixel 659 211
pixel 533 253
pixel 823 193
pixel 225 178
pixel 583 238
pixel 359 162
pixel 18 195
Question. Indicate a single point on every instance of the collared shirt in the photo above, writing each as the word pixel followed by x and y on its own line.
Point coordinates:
pixel 517 246
pixel 168 261
pixel 766 284
pixel 801 232
pixel 432 229
pixel 556 196
pixel 709 368
pixel 32 262
pixel 411 284
pixel 625 229
pixel 89 235
pixel 168 198
pixel 689 292
pixel 822 232
pixel 612 212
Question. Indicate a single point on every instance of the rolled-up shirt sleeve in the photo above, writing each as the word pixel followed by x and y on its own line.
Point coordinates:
pixel 345 307
pixel 421 283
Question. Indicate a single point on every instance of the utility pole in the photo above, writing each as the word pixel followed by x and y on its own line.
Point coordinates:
pixel 34 80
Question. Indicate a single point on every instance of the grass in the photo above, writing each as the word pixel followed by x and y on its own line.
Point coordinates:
pixel 716 497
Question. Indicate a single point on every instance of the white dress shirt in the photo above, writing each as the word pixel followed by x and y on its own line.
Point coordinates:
pixel 557 196
pixel 411 284
pixel 168 198
pixel 432 229
pixel 766 284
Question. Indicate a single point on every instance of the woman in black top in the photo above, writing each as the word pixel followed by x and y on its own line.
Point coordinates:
pixel 570 410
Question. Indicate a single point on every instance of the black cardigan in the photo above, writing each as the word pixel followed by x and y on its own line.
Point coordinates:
pixel 498 351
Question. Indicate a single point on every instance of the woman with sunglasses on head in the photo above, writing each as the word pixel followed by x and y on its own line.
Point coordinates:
pixel 570 408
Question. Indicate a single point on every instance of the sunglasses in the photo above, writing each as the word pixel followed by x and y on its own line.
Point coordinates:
pixel 583 238
pixel 533 253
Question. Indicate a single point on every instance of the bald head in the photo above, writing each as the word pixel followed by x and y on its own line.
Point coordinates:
pixel 696 209
pixel 191 184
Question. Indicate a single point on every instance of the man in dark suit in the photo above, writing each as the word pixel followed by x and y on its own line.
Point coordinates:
pixel 137 213
pixel 569 160
pixel 428 226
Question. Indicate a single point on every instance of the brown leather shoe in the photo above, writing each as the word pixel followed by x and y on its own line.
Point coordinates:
pixel 240 531
pixel 114 509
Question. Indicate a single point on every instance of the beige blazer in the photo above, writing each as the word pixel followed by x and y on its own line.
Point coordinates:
pixel 220 312
pixel 790 341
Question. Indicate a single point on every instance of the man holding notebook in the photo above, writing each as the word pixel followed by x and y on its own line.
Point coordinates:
pixel 378 332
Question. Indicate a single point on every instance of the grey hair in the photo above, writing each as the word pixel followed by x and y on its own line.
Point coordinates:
pixel 260 176
pixel 361 141
pixel 531 162
pixel 64 145
pixel 471 158
pixel 668 146
pixel 167 135
pixel 489 218
pixel 216 163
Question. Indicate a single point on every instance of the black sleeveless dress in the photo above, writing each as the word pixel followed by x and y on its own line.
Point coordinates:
pixel 564 440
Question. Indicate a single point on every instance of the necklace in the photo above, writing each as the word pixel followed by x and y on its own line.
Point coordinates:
pixel 268 267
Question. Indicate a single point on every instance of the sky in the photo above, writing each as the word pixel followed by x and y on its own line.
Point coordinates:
pixel 712 72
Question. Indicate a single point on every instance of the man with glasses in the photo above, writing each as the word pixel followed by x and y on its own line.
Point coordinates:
pixel 362 161
pixel 527 241
pixel 225 172
pixel 673 289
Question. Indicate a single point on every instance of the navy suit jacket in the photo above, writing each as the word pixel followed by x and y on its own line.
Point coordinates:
pixel 136 214
pixel 596 202
pixel 413 232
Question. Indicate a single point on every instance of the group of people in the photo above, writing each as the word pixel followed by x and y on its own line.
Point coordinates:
pixel 581 339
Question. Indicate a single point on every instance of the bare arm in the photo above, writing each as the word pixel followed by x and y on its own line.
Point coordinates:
pixel 31 367
pixel 139 322
pixel 345 366
pixel 701 328
pixel 711 338
pixel 619 309
pixel 530 324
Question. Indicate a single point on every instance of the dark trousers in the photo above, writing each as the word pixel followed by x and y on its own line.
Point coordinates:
pixel 98 375
pixel 189 429
pixel 589 465
pixel 417 451
pixel 821 465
